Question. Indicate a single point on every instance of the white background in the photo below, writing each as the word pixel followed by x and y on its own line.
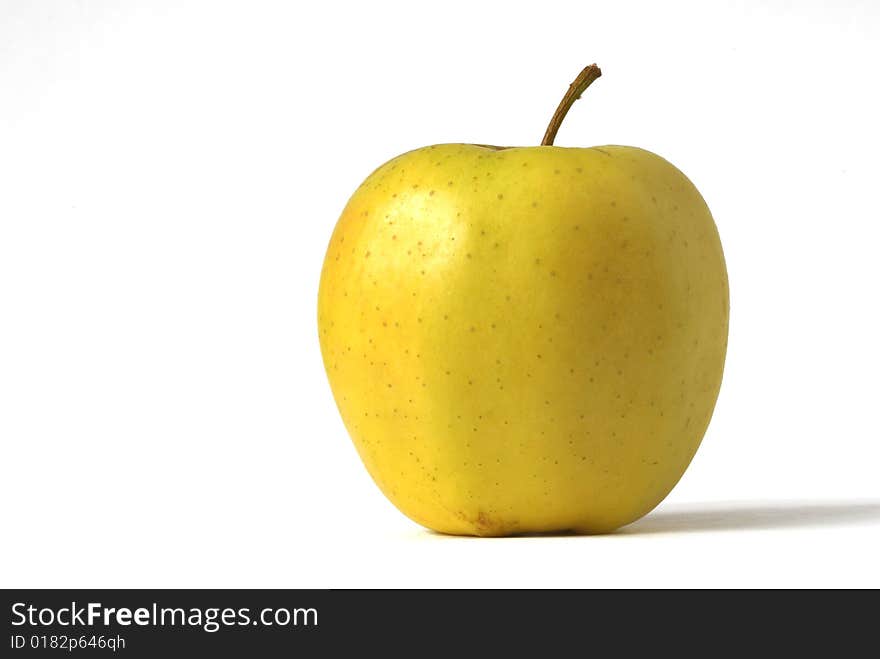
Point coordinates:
pixel 170 173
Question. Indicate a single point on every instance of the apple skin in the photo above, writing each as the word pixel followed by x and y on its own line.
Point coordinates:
pixel 525 340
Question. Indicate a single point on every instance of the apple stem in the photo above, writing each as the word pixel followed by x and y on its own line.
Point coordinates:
pixel 585 79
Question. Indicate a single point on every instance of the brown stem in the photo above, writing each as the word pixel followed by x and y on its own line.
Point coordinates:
pixel 584 80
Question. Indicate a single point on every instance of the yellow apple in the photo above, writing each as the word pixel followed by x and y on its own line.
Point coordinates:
pixel 525 339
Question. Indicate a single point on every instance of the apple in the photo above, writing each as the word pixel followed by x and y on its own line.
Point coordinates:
pixel 525 340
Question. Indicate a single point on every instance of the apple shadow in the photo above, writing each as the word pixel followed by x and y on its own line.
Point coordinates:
pixel 725 516
pixel 747 516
